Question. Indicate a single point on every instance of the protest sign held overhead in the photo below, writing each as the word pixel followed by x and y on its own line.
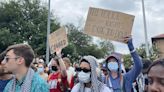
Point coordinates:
pixel 108 24
pixel 58 39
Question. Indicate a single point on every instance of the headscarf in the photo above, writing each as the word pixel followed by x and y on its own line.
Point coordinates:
pixel 96 85
pixel 26 86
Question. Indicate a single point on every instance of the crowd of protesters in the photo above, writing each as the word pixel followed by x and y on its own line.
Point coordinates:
pixel 20 72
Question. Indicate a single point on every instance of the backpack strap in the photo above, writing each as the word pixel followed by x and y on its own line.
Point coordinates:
pixel 123 84
pixel 107 81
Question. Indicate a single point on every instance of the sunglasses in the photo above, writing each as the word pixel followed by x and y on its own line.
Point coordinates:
pixel 84 70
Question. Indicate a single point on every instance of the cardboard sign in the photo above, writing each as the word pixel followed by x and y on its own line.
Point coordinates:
pixel 58 39
pixel 108 24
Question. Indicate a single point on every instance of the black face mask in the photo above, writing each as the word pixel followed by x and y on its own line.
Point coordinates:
pixel 54 68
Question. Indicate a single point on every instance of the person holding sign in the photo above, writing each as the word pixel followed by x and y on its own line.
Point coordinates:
pixel 58 78
pixel 115 80
pixel 88 80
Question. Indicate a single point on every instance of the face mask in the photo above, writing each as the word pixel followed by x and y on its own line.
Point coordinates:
pixel 54 68
pixel 40 70
pixel 113 66
pixel 84 77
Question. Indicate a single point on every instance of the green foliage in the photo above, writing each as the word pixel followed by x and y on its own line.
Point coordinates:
pixel 152 50
pixel 127 60
pixel 81 44
pixel 107 47
pixel 142 53
pixel 25 20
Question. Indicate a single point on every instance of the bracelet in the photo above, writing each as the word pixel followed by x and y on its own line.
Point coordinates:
pixel 133 51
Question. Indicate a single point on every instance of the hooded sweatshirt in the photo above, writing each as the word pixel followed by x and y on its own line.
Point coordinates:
pixel 130 76
pixel 96 85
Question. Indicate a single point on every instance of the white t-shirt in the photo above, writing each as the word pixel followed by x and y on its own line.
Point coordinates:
pixel 70 74
pixel 77 86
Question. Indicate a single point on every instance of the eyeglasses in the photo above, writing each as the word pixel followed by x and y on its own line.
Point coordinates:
pixel 6 59
pixel 84 70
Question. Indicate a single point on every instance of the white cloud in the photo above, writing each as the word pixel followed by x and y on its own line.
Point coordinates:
pixel 123 5
pixel 72 11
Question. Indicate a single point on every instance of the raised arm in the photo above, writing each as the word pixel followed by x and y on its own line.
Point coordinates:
pixel 137 67
pixel 61 63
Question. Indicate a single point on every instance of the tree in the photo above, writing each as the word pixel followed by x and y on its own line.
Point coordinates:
pixel 4 33
pixel 25 20
pixel 78 43
pixel 142 53
pixel 81 44
pixel 127 60
pixel 153 52
pixel 107 47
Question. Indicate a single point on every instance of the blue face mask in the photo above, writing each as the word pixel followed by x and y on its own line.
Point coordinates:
pixel 40 70
pixel 113 66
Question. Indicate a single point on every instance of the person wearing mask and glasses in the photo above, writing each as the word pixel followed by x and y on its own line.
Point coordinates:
pixel 88 79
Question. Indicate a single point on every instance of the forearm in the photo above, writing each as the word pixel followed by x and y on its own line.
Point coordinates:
pixel 137 66
pixel 136 58
pixel 62 67
pixel 137 63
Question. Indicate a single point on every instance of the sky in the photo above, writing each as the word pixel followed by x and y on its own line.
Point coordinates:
pixel 75 11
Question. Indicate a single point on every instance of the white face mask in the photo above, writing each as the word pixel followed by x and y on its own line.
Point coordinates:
pixel 84 77
pixel 113 66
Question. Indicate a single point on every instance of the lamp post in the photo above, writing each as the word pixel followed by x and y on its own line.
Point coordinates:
pixel 145 30
pixel 48 32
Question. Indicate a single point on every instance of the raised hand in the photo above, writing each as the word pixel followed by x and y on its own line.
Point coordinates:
pixel 128 40
pixel 58 52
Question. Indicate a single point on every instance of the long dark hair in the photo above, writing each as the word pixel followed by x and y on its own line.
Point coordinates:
pixel 56 59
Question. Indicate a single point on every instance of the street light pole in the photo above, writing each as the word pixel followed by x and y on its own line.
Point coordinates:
pixel 145 30
pixel 48 32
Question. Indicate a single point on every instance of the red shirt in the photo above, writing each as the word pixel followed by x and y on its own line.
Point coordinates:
pixel 57 82
pixel 72 83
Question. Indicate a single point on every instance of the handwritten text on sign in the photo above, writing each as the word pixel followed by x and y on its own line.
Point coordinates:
pixel 58 39
pixel 108 24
